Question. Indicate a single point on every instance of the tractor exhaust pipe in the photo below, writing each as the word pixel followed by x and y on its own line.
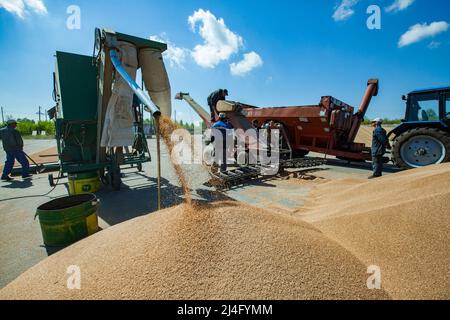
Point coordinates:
pixel 143 96
pixel 371 91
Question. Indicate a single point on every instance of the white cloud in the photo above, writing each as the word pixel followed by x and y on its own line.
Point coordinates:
pixel 399 5
pixel 220 43
pixel 419 32
pixel 16 7
pixel 37 6
pixel 345 10
pixel 176 55
pixel 434 45
pixel 251 61
pixel 19 7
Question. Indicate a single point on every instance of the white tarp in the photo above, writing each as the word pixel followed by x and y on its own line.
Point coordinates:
pixel 156 79
pixel 118 128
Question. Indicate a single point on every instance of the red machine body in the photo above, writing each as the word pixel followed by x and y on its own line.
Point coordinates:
pixel 328 128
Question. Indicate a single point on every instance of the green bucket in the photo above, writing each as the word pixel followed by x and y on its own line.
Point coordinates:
pixel 69 219
pixel 84 183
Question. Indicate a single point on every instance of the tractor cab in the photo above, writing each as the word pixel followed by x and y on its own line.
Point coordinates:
pixel 428 105
pixel 424 136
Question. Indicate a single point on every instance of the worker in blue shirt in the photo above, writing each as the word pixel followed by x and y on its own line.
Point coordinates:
pixel 13 146
pixel 222 123
pixel 224 127
pixel 380 143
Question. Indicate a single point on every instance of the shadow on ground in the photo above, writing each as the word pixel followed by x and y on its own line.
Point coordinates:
pixel 19 184
pixel 389 168
pixel 141 199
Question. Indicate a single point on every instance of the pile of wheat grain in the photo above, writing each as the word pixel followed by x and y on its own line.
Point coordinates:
pixel 400 223
pixel 222 251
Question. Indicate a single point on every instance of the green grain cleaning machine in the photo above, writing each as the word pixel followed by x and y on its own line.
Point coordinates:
pixel 82 89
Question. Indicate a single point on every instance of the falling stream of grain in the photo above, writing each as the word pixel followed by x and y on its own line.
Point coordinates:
pixel 166 128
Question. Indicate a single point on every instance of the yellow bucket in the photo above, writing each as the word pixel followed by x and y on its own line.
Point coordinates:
pixel 83 183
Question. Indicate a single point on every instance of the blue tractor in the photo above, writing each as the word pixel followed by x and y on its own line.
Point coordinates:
pixel 423 138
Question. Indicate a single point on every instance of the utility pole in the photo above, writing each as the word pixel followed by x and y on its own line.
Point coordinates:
pixel 40 113
pixel 46 115
pixel 3 117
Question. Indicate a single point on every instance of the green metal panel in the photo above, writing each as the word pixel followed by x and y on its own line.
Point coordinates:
pixel 77 85
pixel 141 43
pixel 76 124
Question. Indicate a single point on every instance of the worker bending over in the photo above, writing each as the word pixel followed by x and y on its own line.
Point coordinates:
pixel 225 128
pixel 213 99
pixel 13 146
pixel 380 143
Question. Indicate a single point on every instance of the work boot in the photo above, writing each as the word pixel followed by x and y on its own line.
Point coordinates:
pixel 7 179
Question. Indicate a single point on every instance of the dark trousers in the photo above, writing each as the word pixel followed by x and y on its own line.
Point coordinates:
pixel 213 114
pixel 11 157
pixel 377 163
pixel 221 157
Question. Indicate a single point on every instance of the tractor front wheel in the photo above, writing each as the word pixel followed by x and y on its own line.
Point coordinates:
pixel 421 147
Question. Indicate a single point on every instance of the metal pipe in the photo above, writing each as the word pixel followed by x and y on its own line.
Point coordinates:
pixel 371 91
pixel 143 96
pixel 203 114
pixel 158 151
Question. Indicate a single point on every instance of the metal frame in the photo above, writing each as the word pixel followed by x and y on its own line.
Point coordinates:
pixel 105 58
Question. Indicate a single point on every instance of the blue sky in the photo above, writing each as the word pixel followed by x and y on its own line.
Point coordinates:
pixel 267 53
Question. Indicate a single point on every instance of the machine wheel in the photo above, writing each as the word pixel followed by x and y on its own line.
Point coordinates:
pixel 300 154
pixel 115 179
pixel 104 178
pixel 51 180
pixel 421 147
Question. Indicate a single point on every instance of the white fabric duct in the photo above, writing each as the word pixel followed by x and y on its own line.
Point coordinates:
pixel 156 79
pixel 118 130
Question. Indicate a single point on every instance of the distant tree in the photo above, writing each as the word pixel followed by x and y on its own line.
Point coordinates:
pixel 432 115
pixel 25 120
pixel 368 121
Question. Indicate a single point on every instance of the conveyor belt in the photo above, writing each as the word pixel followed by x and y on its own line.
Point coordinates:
pixel 243 174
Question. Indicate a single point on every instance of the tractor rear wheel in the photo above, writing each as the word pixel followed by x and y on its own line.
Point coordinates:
pixel 421 147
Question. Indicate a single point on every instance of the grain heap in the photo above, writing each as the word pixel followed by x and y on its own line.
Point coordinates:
pixel 228 250
pixel 221 251
pixel 400 223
